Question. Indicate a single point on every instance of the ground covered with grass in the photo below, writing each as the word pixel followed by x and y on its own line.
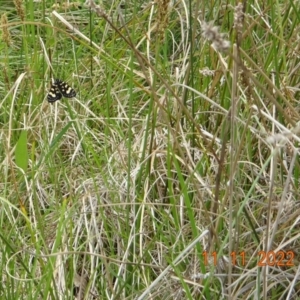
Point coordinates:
pixel 173 173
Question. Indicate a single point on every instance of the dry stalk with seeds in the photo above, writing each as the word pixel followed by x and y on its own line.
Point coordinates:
pixel 212 34
pixel 19 9
pixel 6 37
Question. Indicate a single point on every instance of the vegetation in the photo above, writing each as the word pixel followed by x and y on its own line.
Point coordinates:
pixel 174 171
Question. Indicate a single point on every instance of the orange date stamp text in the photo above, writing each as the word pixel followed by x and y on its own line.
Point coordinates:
pixel 265 258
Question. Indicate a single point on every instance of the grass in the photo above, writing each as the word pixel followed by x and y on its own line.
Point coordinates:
pixel 173 173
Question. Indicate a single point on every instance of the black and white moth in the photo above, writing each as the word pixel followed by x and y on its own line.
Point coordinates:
pixel 58 89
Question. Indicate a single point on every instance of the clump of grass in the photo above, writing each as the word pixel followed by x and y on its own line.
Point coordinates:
pixel 174 170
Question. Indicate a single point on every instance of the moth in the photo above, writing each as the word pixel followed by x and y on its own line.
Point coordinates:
pixel 59 89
